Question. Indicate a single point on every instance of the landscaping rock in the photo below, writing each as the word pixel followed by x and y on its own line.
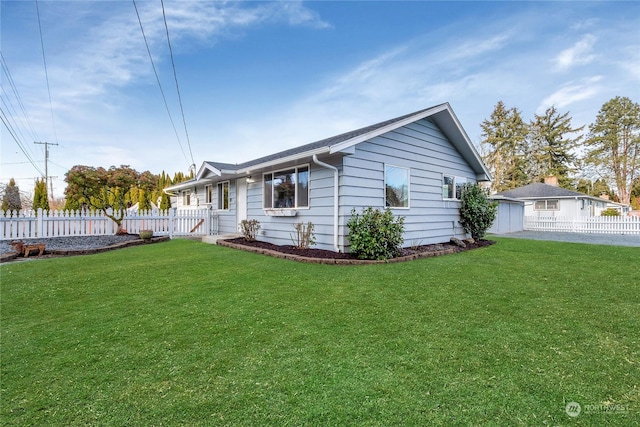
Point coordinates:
pixel 458 242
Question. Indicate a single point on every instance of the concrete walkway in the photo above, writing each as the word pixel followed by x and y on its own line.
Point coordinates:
pixel 595 239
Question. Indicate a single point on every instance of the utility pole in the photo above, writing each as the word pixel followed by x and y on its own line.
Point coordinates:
pixel 46 163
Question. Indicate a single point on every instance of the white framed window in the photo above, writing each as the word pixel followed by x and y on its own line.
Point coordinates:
pixel 208 194
pixel 546 205
pixel 287 189
pixel 452 186
pixel 223 195
pixel 460 183
pixel 186 197
pixel 396 186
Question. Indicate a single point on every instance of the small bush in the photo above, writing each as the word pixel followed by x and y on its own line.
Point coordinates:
pixel 375 234
pixel 477 212
pixel 249 229
pixel 304 237
pixel 610 212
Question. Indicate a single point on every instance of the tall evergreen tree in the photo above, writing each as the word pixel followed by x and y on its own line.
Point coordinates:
pixel 504 140
pixel 40 197
pixel 550 150
pixel 144 200
pixel 613 144
pixel 11 197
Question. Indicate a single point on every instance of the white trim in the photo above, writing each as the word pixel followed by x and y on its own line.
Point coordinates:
pixel 206 166
pixel 395 125
pixel 208 193
pixel 408 169
pixel 282 160
pixel 546 204
pixel 457 180
pixel 296 207
pixel 218 189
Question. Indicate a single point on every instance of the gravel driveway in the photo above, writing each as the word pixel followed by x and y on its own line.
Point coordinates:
pixel 591 238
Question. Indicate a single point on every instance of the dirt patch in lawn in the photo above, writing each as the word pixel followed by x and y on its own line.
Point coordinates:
pixel 321 256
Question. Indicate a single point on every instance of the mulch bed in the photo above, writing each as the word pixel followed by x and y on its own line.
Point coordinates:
pixel 321 256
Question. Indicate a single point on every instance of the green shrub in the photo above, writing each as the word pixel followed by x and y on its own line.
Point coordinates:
pixel 375 234
pixel 477 212
pixel 249 229
pixel 610 212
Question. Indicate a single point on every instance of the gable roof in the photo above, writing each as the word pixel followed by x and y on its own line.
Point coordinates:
pixel 442 115
pixel 538 190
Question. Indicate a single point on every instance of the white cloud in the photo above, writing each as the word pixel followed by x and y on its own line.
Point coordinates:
pixel 571 93
pixel 578 54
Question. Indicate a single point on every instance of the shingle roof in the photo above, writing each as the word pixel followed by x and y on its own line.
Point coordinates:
pixel 441 115
pixel 327 142
pixel 540 190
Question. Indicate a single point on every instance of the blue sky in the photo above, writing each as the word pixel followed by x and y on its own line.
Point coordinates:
pixel 259 77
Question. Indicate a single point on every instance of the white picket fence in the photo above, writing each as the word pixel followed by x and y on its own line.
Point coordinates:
pixel 586 224
pixel 28 224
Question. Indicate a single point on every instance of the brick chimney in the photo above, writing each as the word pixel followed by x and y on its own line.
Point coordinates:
pixel 551 180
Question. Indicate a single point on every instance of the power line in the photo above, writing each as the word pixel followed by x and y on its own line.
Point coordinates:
pixel 175 76
pixel 159 84
pixel 6 123
pixel 46 73
pixel 5 68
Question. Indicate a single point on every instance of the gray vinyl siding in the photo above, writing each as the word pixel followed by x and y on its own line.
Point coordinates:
pixel 420 146
pixel 226 218
pixel 278 230
pixel 429 155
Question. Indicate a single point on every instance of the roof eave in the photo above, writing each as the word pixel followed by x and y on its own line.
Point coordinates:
pixel 282 160
pixel 341 146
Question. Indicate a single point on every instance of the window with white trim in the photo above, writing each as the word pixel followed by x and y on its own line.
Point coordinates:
pixel 396 185
pixel 546 205
pixel 208 194
pixel 223 195
pixel 452 186
pixel 186 197
pixel 287 189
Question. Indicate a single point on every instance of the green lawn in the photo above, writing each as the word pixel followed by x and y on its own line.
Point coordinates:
pixel 184 333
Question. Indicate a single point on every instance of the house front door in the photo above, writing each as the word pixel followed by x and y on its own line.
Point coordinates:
pixel 241 200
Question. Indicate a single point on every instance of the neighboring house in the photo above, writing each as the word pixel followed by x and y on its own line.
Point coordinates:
pixel 414 164
pixel 545 200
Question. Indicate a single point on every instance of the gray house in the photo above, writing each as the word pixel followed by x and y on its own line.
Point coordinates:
pixel 415 164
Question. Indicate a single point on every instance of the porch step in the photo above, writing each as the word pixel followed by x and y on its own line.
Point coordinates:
pixel 214 239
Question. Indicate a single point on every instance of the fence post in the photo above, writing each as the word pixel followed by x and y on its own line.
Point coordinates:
pixel 40 225
pixel 171 215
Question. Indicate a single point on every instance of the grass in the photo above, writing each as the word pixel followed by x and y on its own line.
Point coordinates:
pixel 184 333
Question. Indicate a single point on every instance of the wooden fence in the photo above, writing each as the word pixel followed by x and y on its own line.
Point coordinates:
pixel 29 224
pixel 594 224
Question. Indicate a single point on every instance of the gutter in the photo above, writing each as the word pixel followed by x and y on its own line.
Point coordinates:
pixel 335 199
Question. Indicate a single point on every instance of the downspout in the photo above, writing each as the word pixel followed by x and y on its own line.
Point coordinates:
pixel 335 199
